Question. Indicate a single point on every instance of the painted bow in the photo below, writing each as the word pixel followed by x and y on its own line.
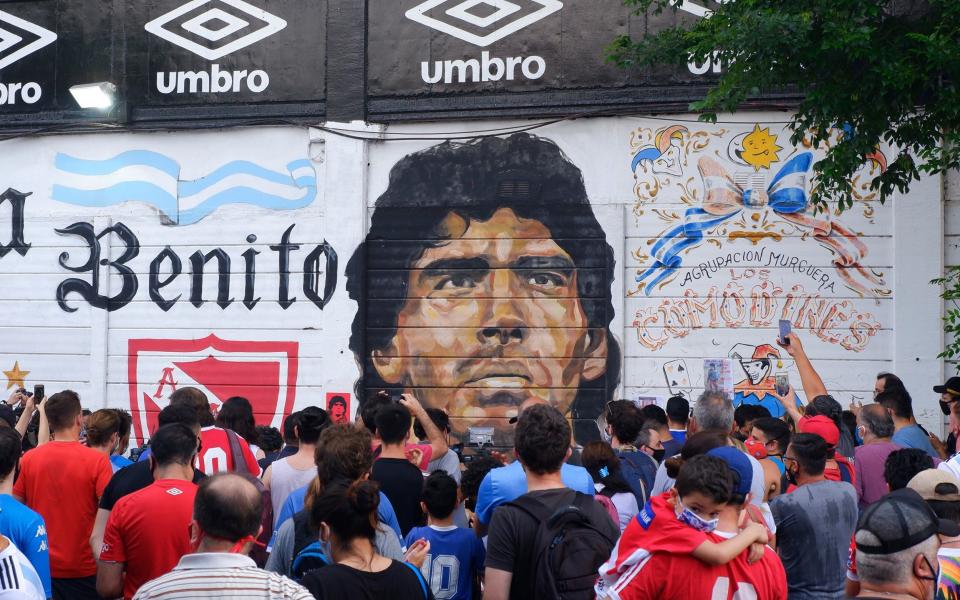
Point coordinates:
pixel 786 195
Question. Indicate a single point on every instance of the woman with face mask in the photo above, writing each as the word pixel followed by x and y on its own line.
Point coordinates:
pixel 346 516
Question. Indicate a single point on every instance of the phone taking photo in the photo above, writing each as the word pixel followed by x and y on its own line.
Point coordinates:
pixel 782 384
pixel 38 392
pixel 785 328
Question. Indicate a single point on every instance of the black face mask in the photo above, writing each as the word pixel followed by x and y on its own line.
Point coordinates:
pixel 658 455
pixel 791 477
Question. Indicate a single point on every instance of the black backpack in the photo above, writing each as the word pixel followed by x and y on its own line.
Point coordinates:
pixel 569 547
pixel 308 554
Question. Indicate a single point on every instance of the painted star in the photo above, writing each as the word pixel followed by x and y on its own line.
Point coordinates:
pixel 16 377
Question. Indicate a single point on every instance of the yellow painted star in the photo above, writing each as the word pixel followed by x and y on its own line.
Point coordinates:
pixel 759 148
pixel 16 377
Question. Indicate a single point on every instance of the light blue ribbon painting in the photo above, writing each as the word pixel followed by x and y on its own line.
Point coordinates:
pixel 154 179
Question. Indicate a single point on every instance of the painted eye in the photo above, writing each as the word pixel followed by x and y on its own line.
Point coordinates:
pixel 457 282
pixel 546 280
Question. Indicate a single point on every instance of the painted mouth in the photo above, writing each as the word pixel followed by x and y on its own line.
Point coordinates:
pixel 499 379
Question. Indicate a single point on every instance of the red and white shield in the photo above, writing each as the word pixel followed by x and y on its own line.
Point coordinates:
pixel 263 372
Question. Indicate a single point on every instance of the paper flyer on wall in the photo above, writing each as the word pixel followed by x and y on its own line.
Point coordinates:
pixel 718 375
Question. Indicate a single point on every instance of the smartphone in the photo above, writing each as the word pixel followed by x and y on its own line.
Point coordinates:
pixel 785 329
pixel 782 383
pixel 38 392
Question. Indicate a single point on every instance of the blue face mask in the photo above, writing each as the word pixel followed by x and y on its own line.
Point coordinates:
pixel 694 520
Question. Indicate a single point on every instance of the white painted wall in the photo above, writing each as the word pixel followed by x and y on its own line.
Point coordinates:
pixel 851 330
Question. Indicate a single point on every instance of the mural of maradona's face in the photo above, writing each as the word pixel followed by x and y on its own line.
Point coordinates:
pixel 492 317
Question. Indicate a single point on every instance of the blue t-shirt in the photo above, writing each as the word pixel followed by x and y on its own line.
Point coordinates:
pixel 505 484
pixel 679 435
pixel 27 531
pixel 295 501
pixel 912 436
pixel 118 462
pixel 456 557
pixel 144 455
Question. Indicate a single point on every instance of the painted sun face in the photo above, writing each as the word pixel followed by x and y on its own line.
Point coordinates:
pixel 759 148
pixel 492 318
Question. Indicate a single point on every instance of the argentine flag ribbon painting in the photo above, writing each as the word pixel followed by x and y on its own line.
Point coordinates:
pixel 723 200
pixel 155 179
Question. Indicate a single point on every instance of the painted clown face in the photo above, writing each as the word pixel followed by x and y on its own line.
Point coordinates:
pixel 756 370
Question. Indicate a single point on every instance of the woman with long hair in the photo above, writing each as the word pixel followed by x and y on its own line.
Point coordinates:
pixel 601 462
pixel 346 516
pixel 237 414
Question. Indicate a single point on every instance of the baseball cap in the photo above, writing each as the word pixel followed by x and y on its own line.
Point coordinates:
pixel 900 520
pixel 822 426
pixel 952 387
pixel 6 413
pixel 738 462
pixel 934 484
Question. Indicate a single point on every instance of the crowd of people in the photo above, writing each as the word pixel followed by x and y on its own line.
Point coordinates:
pixel 684 501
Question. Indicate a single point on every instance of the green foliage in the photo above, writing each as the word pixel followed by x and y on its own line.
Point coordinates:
pixel 888 69
pixel 951 319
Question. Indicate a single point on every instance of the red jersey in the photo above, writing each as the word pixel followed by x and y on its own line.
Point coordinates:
pixel 666 575
pixel 654 529
pixel 63 481
pixel 215 455
pixel 148 530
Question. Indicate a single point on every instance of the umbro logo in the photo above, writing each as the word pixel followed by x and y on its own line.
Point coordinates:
pixel 482 22
pixel 19 38
pixel 213 29
pixel 174 492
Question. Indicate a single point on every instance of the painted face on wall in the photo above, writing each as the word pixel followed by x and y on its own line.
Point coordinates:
pixel 492 317
pixel 756 370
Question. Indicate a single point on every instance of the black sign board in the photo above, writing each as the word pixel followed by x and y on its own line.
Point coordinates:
pixel 45 47
pixel 457 55
pixel 233 57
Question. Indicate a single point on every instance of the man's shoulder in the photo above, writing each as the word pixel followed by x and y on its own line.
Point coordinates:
pixel 186 578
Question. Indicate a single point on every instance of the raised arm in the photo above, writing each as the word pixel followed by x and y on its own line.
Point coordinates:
pixel 438 445
pixel 43 436
pixel 809 378
pixel 24 421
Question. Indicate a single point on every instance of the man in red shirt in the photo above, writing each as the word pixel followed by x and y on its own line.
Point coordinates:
pixel 147 530
pixel 219 447
pixel 63 481
pixel 680 575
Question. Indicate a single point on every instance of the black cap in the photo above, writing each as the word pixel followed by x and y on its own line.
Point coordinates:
pixel 901 520
pixel 952 387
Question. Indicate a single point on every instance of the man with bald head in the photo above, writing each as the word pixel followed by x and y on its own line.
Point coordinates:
pixel 225 525
pixel 508 483
pixel 875 427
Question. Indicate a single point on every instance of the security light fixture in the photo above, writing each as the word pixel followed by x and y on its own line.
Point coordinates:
pixel 94 95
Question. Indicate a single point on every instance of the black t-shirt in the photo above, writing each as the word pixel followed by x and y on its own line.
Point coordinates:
pixel 402 483
pixel 131 479
pixel 512 535
pixel 399 581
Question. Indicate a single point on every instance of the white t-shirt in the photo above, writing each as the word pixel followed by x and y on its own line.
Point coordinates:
pixel 625 503
pixel 18 578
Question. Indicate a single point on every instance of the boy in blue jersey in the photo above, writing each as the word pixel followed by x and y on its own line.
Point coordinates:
pixel 24 527
pixel 455 563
